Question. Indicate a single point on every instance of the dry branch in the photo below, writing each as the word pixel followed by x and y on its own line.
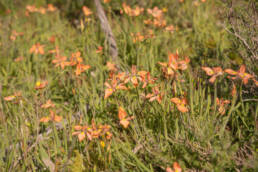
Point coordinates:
pixel 107 30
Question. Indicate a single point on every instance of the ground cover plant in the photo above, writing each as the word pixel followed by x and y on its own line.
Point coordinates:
pixel 180 96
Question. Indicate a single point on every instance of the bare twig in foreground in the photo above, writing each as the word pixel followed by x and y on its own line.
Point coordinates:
pixel 107 29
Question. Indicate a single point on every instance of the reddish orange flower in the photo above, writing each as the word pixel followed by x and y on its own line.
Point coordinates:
pixel 111 67
pixel 12 97
pixel 37 49
pixel 221 104
pixel 41 85
pixel 106 1
pixel 214 73
pixel 170 68
pixel 76 58
pixel 155 12
pixel 52 117
pixel 99 50
pixel 81 68
pixel 240 74
pixel 52 39
pixel 61 61
pixel 113 87
pixel 155 95
pixel 170 28
pixel 48 104
pixel 51 8
pixel 176 168
pixel 122 117
pixel 132 12
pixel 18 59
pixel 86 11
pixel 31 8
pixel 146 78
pixel 92 132
pixel 15 34
pixel 42 10
pixel 180 104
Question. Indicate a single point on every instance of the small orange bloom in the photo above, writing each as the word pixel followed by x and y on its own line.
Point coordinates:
pixel 106 1
pixel 214 72
pixel 52 117
pixel 155 95
pixel 41 85
pixel 111 88
pixel 51 8
pixel 15 34
pixel 12 97
pixel 86 11
pixel 180 104
pixel 61 61
pixel 48 104
pixel 18 59
pixel 176 168
pixel 37 49
pixel 240 74
pixel 221 103
pixel 122 117
pixel 99 50
pixel 81 68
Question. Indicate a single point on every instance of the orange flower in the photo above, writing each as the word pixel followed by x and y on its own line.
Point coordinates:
pixel 18 59
pixel 52 117
pixel 48 104
pixel 132 12
pixel 146 78
pixel 122 117
pixel 170 68
pixel 214 72
pixel 61 61
pixel 86 11
pixel 155 12
pixel 99 50
pixel 106 1
pixel 41 85
pixel 51 8
pixel 111 67
pixel 180 104
pixel 239 74
pixel 12 97
pixel 81 68
pixel 15 34
pixel 76 58
pixel 176 168
pixel 221 103
pixel 92 131
pixel 112 88
pixel 155 95
pixel 31 8
pixel 52 39
pixel 170 28
pixel 37 49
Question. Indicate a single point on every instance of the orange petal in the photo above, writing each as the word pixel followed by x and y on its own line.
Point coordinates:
pixel 124 123
pixel 77 127
pixel 212 79
pixel 208 71
pixel 182 108
pixel 121 113
pixel 175 100
pixel 9 98
pixel 108 92
pixel 230 71
pixel 177 167
pixel 81 136
pixel 44 119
